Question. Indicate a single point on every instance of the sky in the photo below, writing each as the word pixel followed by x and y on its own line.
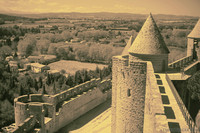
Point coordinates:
pixel 175 7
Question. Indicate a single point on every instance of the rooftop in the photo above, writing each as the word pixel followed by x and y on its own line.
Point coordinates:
pixel 34 57
pixel 195 33
pixel 149 40
pixel 37 65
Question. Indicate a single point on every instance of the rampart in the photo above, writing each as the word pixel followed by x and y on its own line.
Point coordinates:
pixel 154 110
pixel 52 112
pixel 181 62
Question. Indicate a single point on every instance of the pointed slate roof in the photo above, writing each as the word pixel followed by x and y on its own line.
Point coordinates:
pixel 128 45
pixel 195 33
pixel 149 40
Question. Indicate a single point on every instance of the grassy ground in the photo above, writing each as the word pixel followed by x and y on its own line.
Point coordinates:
pixel 176 53
pixel 72 66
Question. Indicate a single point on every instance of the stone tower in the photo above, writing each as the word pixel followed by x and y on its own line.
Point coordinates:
pixel 128 45
pixel 129 74
pixel 193 39
pixel 150 46
pixel 128 95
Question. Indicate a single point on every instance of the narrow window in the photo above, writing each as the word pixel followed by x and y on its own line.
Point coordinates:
pixel 128 92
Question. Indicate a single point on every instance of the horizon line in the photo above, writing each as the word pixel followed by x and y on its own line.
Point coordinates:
pixel 37 13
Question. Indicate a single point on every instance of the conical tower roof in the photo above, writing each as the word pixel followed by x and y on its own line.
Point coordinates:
pixel 128 45
pixel 195 33
pixel 149 40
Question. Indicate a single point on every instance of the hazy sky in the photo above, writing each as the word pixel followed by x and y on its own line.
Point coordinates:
pixel 177 7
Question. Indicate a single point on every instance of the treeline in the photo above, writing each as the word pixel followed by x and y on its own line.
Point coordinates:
pixel 56 84
pixel 95 35
pixel 94 53
pixel 8 91
pixel 17 31
pixel 4 17
pixel 175 37
pixel 89 53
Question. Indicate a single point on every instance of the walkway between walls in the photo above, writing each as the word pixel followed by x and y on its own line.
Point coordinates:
pixel 97 120
pixel 176 120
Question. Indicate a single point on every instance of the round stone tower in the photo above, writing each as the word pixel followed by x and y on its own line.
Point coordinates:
pixel 193 40
pixel 128 95
pixel 149 45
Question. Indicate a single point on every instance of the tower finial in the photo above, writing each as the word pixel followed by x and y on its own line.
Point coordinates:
pixel 150 15
pixel 195 33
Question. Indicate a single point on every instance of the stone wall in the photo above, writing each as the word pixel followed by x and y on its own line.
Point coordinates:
pixel 24 105
pixel 78 106
pixel 160 62
pixel 136 100
pixel 181 62
pixel 21 109
pixel 128 95
pixel 73 103
pixel 77 90
pixel 190 46
pixel 155 120
pixel 26 126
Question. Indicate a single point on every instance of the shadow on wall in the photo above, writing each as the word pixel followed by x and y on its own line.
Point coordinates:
pixel 78 123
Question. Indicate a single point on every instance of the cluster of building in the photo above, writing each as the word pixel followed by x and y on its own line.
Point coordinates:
pixel 32 63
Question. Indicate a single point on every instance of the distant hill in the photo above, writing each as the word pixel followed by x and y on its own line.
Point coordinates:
pixel 4 17
pixel 106 15
pixel 11 18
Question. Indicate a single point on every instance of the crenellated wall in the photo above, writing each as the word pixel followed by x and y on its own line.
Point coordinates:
pixel 154 110
pixel 79 106
pixel 77 90
pixel 52 112
pixel 26 126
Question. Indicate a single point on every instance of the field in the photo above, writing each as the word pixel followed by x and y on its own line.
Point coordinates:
pixel 176 53
pixel 72 66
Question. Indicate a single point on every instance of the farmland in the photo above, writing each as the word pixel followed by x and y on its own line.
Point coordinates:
pixel 72 66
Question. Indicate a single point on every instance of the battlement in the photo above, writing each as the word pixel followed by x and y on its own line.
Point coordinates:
pixel 74 91
pixel 124 64
pixel 26 126
pixel 154 110
pixel 76 101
